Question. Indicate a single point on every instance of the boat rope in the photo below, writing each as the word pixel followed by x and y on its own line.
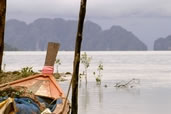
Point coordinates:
pixel 69 88
pixel 51 102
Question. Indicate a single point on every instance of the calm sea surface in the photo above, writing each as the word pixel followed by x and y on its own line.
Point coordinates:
pixel 151 96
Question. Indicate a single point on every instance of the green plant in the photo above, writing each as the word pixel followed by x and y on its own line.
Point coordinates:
pixel 99 75
pixel 26 71
pixel 57 62
pixel 100 68
pixel 11 92
pixel 85 60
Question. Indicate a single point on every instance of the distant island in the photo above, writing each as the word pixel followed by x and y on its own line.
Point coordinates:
pixel 9 48
pixel 36 35
pixel 163 44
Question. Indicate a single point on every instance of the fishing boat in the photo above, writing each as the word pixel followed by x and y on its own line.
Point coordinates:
pixel 46 89
pixel 43 91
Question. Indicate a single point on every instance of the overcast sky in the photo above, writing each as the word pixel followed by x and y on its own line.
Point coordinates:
pixel 95 8
pixel 148 19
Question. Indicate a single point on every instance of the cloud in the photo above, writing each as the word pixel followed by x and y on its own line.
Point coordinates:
pixel 95 8
pixel 122 8
pixel 46 7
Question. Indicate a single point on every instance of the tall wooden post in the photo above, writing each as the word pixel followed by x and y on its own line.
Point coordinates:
pixel 74 109
pixel 2 28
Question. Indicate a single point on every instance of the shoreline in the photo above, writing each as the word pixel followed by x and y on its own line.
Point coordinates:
pixel 9 76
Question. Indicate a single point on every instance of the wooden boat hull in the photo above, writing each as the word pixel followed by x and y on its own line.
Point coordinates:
pixel 43 85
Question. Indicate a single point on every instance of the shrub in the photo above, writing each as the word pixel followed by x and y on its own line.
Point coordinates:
pixel 85 60
pixel 26 71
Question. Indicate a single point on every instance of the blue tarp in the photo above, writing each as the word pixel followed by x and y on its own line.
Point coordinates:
pixel 25 105
pixel 28 106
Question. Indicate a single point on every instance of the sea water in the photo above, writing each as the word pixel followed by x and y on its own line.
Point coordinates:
pixel 152 68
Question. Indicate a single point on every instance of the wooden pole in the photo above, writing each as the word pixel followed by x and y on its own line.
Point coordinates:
pixel 74 107
pixel 2 28
pixel 51 54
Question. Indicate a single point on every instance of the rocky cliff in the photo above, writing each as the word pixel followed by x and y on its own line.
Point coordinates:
pixel 36 35
pixel 163 43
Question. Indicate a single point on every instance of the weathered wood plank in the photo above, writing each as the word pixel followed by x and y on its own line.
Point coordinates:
pixel 51 54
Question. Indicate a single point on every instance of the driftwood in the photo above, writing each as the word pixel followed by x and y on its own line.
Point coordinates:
pixel 129 84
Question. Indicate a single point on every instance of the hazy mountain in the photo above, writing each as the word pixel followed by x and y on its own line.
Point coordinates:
pixel 163 43
pixel 9 48
pixel 36 35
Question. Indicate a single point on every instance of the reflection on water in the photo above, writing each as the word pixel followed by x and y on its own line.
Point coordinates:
pixel 85 97
pixel 95 99
pixel 153 68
